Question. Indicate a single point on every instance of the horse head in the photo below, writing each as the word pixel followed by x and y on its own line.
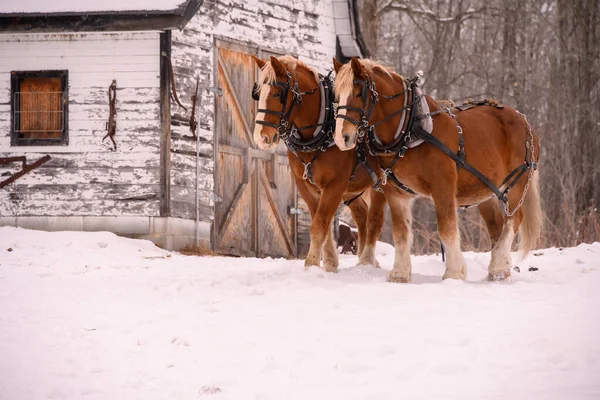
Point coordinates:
pixel 281 87
pixel 359 85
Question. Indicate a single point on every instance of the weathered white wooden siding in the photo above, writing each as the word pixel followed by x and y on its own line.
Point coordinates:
pixel 302 28
pixel 86 177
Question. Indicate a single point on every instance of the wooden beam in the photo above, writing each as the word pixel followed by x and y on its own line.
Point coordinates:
pixel 165 125
pixel 189 11
pixel 238 105
pixel 26 169
pixel 107 21
pixel 231 210
pixel 273 204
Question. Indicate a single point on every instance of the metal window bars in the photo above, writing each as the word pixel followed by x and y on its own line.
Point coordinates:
pixel 39 112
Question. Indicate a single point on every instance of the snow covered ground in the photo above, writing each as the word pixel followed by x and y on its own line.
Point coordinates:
pixel 95 316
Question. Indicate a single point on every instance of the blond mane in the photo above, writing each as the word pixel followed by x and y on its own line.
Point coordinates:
pixel 268 75
pixel 344 80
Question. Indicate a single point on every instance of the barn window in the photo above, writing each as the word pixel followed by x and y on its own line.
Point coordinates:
pixel 39 104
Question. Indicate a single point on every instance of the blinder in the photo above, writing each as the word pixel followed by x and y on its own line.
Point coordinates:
pixel 287 131
pixel 284 114
pixel 399 146
pixel 367 85
pixel 363 125
pixel 255 92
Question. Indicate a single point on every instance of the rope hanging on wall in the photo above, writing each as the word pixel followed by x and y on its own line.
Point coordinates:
pixel 111 125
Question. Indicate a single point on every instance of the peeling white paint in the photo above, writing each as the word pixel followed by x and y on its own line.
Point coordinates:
pixel 304 29
pixel 87 170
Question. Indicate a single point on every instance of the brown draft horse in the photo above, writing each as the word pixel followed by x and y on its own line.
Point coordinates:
pixel 331 170
pixel 497 140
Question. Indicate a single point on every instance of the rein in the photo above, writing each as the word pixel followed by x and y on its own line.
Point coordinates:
pixel 284 113
pixel 400 144
pixel 289 132
pixel 363 126
pixel 322 140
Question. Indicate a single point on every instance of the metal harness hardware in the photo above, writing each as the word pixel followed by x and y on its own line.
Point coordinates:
pixel 289 132
pixel 400 145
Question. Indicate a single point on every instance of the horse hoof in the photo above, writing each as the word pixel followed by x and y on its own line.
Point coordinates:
pixel 455 275
pixel 330 267
pixel 397 278
pixel 498 276
pixel 311 262
pixel 371 263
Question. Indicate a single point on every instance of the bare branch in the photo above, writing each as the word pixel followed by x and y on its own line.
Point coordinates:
pixel 401 6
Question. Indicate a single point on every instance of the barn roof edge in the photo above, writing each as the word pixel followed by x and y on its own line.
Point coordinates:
pixel 98 21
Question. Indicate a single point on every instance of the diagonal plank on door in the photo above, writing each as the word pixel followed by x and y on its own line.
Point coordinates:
pixel 273 205
pixel 254 187
pixel 238 106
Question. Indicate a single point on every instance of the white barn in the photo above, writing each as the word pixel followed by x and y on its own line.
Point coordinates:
pixel 160 180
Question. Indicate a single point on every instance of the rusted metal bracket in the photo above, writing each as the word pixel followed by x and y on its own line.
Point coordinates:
pixel 193 122
pixel 111 125
pixel 173 89
pixel 26 168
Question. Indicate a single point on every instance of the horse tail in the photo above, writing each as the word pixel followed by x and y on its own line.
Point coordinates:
pixel 533 218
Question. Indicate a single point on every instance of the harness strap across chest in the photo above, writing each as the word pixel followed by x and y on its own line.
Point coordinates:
pixel 400 144
pixel 290 134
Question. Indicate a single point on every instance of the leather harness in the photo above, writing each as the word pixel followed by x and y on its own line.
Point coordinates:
pixel 323 137
pixel 415 131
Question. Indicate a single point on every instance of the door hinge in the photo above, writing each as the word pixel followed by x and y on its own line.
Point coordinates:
pixel 295 211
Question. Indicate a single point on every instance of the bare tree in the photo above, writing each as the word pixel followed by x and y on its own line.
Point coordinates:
pixel 541 57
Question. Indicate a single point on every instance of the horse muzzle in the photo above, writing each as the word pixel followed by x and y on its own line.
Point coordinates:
pixel 345 140
pixel 266 140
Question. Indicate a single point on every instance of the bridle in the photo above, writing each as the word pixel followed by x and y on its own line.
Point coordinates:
pixel 288 131
pixel 284 127
pixel 322 140
pixel 368 104
pixel 370 97
pixel 400 145
pixel 362 124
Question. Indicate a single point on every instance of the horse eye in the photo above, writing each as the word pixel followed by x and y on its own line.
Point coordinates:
pixel 276 94
pixel 359 94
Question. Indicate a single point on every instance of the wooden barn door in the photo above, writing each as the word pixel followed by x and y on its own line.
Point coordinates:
pixel 255 187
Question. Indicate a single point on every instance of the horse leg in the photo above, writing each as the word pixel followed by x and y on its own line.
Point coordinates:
pixel 500 264
pixel 359 211
pixel 320 227
pixel 445 210
pixel 374 226
pixel 400 208
pixel 491 214
pixel 330 255
pixel 499 268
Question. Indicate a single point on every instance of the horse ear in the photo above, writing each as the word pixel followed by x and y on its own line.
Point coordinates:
pixel 357 67
pixel 259 62
pixel 336 65
pixel 278 67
